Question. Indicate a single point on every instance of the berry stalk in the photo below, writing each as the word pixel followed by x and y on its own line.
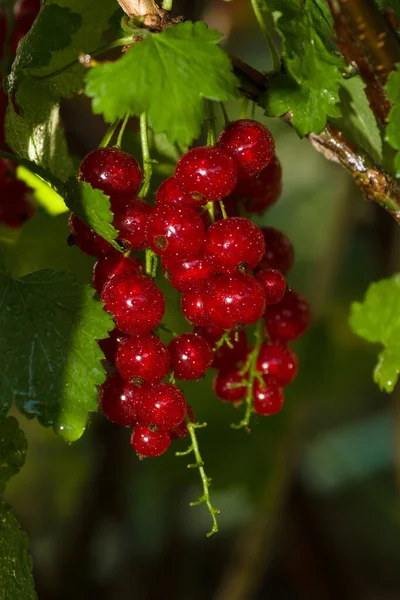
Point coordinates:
pixel 147 162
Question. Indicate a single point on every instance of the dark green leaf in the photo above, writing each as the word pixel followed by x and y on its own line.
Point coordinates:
pixel 12 450
pixel 51 360
pixel 168 75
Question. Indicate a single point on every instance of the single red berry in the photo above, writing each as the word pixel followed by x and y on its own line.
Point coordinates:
pixel 268 398
pixel 274 284
pixel 131 219
pixel 279 251
pixel 234 302
pixel 181 430
pixel 112 171
pixel 120 401
pixel 110 344
pixel 16 206
pixel 191 356
pixel 289 319
pixel 211 333
pixel 193 307
pixel 87 240
pixel 234 244
pixel 207 174
pixel 187 274
pixel 163 405
pixel 250 144
pixel 263 190
pixel 114 264
pixel 175 231
pixel 277 359
pixel 142 359
pixel 226 386
pixel 149 443
pixel 135 302
pixel 25 12
pixel 170 194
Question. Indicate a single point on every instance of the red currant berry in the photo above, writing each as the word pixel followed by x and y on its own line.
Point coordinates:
pixel 148 443
pixel 278 360
pixel 131 220
pixel 112 171
pixel 16 207
pixel 135 302
pixel 262 191
pixel 211 333
pixel 163 405
pixel 288 319
pixel 225 386
pixel 274 284
pixel 193 307
pixel 279 252
pixel 170 194
pixel 191 356
pixel 207 174
pixel 234 244
pixel 268 399
pixel 250 144
pixel 173 231
pixel 234 302
pixel 113 264
pixel 187 274
pixel 120 401
pixel 87 240
pixel 109 345
pixel 142 359
pixel 181 430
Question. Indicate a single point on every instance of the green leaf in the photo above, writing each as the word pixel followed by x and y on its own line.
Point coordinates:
pixel 93 207
pixel 12 450
pixel 49 325
pixel 183 65
pixel 393 127
pixel 358 122
pixel 377 319
pixel 16 580
pixel 310 89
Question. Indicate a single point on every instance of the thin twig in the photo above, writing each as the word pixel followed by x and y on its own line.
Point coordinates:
pixel 276 59
pixel 109 134
pixel 147 162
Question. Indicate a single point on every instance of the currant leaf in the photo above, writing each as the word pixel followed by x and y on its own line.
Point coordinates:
pixel 377 320
pixel 167 65
pixel 53 366
pixel 12 449
pixel 310 90
pixel 393 126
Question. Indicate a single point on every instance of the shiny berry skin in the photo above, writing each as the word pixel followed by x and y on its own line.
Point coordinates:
pixel 193 307
pixel 250 144
pixel 222 386
pixel 269 400
pixel 234 244
pixel 262 191
pixel 109 345
pixel 148 443
pixel 112 171
pixel 181 430
pixel 175 231
pixel 170 194
pixel 187 274
pixel 277 359
pixel 131 220
pixel 289 319
pixel 87 240
pixel 191 356
pixel 234 302
pixel 207 174
pixel 120 401
pixel 274 284
pixel 142 359
pixel 279 251
pixel 136 303
pixel 163 404
pixel 113 264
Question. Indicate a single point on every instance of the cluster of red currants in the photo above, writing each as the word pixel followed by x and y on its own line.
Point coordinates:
pixel 229 271
pixel 16 205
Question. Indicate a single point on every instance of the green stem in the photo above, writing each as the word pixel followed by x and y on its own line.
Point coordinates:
pixel 167 5
pixel 244 105
pixel 109 135
pixel 147 162
pixel 149 262
pixel 211 135
pixel 122 130
pixel 223 210
pixel 225 339
pixel 225 114
pixel 206 481
pixel 276 60
pixel 252 375
pixel 211 211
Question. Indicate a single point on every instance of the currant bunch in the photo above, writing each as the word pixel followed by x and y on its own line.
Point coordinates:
pixel 229 272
